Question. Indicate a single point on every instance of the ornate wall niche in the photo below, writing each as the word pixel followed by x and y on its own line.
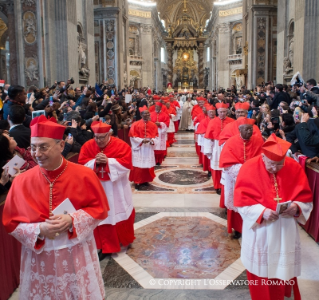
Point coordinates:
pixel 261 49
pixel 110 51
pixel 29 27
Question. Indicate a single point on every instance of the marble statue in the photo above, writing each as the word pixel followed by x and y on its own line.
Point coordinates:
pixel 81 55
pixel 287 66
pixel 291 52
pixel 32 71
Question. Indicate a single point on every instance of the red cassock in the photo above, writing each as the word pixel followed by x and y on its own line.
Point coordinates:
pixel 203 124
pixel 176 123
pixel 214 129
pixel 69 270
pixel 197 110
pixel 176 104
pixel 161 117
pixel 171 135
pixel 201 129
pixel 142 130
pixel 116 148
pixel 255 185
pixel 232 129
pixel 216 126
pixel 111 235
pixel 234 153
pixel 75 183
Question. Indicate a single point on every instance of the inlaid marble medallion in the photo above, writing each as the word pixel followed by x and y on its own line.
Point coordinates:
pixel 184 247
pixel 184 177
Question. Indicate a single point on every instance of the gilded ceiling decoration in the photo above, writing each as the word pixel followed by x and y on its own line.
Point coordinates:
pixel 172 11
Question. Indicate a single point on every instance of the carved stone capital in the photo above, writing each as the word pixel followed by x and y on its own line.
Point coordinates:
pixel 147 28
pixel 28 2
pixel 224 27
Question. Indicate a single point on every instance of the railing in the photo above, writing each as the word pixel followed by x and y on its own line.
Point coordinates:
pixel 136 57
pixel 235 57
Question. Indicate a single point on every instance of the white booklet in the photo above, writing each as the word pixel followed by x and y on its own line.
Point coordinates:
pixel 64 208
pixel 281 207
pixel 15 162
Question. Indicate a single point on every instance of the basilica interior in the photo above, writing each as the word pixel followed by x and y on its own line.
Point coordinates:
pixel 191 45
pixel 182 249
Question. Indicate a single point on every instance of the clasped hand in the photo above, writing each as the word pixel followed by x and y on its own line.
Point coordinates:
pixel 55 224
pixel 290 212
pixel 101 158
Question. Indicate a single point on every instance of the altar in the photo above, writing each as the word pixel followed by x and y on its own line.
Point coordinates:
pixel 189 91
pixel 185 47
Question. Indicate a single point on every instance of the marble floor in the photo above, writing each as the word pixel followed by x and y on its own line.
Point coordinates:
pixel 182 249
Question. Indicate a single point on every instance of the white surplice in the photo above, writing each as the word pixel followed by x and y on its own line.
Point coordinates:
pixel 118 192
pixel 179 109
pixel 272 249
pixel 229 179
pixel 68 272
pixel 212 150
pixel 160 142
pixel 171 127
pixel 143 154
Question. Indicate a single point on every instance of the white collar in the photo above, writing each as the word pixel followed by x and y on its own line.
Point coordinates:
pixel 15 125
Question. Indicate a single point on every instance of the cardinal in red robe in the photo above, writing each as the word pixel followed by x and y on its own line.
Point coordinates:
pixel 233 129
pixel 111 159
pixel 236 151
pixel 52 209
pixel 143 135
pixel 177 106
pixel 162 120
pixel 198 114
pixel 171 129
pixel 272 195
pixel 201 131
pixel 212 148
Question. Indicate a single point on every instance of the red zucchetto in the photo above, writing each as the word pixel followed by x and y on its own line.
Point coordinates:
pixel 221 105
pixel 244 105
pixel 100 127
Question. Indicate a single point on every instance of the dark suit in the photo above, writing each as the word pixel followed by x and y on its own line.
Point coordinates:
pixel 304 132
pixel 22 135
pixel 281 96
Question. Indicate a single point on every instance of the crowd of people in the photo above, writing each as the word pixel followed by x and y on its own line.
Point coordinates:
pixel 123 134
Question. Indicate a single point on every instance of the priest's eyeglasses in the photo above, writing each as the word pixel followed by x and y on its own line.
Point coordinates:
pixel 101 137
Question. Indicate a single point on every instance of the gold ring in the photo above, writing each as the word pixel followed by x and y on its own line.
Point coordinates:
pixel 57 234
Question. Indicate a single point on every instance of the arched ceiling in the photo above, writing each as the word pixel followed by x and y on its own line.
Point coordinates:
pixel 173 10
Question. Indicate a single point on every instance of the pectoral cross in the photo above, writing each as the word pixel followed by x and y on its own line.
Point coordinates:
pixel 102 171
pixel 277 198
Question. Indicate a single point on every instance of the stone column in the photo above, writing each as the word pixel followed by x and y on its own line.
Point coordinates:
pixel 12 43
pixel 147 54
pixel 223 51
pixel 201 66
pixel 170 63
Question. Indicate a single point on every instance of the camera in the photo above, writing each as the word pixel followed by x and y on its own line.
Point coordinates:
pixel 71 80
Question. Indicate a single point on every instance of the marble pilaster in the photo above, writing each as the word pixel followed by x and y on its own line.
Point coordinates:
pixel 201 66
pixel 170 63
pixel 12 43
